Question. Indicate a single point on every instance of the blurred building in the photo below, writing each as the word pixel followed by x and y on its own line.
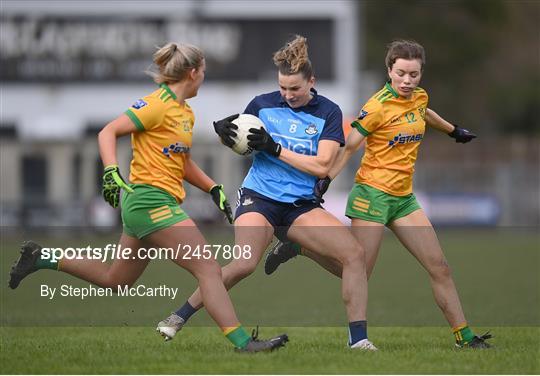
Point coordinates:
pixel 70 67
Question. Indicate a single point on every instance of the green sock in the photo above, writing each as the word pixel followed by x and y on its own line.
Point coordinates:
pixel 239 337
pixel 463 335
pixel 46 264
pixel 296 247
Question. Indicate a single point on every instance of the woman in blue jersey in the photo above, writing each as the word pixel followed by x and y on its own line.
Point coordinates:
pixel 301 141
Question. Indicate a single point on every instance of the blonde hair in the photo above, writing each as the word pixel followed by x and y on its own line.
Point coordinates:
pixel 293 58
pixel 174 61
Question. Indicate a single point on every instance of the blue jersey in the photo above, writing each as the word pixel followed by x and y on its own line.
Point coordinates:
pixel 297 129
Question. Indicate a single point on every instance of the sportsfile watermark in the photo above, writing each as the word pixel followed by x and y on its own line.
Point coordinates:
pixel 295 289
pixel 66 290
pixel 117 252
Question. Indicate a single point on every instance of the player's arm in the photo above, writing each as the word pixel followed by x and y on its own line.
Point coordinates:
pixel 112 180
pixel 195 176
pixel 435 121
pixel 316 165
pixel 369 117
pixel 354 142
pixel 461 135
pixel 119 127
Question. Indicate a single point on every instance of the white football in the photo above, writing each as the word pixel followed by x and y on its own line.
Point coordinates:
pixel 244 123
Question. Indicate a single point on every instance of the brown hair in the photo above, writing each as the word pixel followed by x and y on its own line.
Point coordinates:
pixel 293 58
pixel 174 61
pixel 404 49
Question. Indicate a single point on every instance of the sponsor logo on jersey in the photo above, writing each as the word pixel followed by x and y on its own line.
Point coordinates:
pixel 139 104
pixel 272 119
pixel 401 139
pixel 294 121
pixel 247 201
pixel 311 129
pixel 178 147
pixel 362 115
pixel 298 145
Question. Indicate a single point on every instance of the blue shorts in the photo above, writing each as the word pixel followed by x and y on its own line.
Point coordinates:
pixel 281 215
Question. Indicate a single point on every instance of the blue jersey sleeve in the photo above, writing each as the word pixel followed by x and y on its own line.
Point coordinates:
pixel 253 108
pixel 333 128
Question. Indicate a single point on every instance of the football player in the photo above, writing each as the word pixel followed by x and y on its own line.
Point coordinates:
pixel 392 125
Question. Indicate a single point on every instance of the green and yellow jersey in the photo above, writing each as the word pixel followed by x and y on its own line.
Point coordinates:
pixel 394 127
pixel 162 145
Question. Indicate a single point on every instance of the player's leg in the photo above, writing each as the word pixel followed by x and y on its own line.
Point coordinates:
pixel 211 290
pixel 251 230
pixel 120 273
pixel 323 234
pixel 369 235
pixel 329 264
pixel 185 236
pixel 416 233
pixel 368 209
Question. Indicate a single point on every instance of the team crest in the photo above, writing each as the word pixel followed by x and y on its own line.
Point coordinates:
pixel 139 104
pixel 362 114
pixel 187 126
pixel 422 111
pixel 311 129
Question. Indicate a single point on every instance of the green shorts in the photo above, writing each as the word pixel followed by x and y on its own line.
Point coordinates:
pixel 373 205
pixel 149 209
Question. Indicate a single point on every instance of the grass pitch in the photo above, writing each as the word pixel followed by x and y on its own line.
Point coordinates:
pixel 201 350
pixel 497 274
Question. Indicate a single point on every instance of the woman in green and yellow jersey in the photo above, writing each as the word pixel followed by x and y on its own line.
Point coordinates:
pixel 161 129
pixel 392 125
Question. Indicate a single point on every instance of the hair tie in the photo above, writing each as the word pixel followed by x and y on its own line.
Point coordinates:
pixel 175 47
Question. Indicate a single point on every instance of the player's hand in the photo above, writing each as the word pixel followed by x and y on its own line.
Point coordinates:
pixel 260 140
pixel 112 184
pixel 461 135
pixel 224 129
pixel 321 186
pixel 219 198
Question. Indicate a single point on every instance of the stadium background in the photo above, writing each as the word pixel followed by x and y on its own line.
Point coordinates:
pixel 70 67
pixel 67 68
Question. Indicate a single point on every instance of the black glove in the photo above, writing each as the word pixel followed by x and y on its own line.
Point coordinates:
pixel 321 186
pixel 260 140
pixel 461 135
pixel 224 129
pixel 219 198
